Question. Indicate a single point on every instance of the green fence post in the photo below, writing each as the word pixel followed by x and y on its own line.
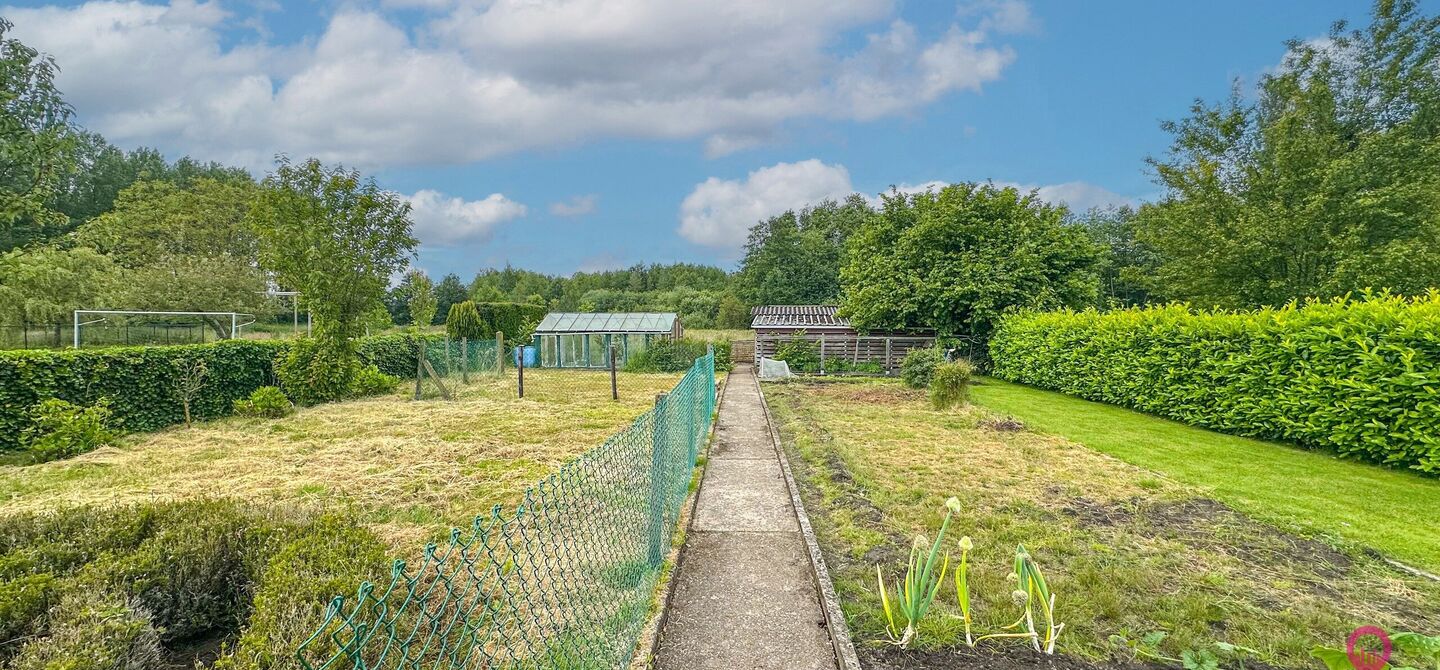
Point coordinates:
pixel 657 480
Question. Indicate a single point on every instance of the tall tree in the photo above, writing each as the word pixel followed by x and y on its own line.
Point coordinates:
pixel 154 219
pixel 36 140
pixel 1328 182
pixel 46 285
pixel 338 239
pixel 955 260
pixel 419 294
pixel 795 258
pixel 449 291
pixel 1128 264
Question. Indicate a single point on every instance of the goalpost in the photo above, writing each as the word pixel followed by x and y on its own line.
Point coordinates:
pixel 237 319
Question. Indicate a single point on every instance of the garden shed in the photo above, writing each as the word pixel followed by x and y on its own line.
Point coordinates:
pixel 582 339
pixel 840 347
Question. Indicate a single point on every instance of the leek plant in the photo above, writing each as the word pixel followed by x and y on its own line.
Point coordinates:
pixel 915 594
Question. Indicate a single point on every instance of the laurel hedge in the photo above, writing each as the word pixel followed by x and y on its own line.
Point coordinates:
pixel 1360 376
pixel 139 381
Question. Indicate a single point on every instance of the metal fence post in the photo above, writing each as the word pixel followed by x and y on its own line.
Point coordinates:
pixel 520 371
pixel 658 429
pixel 614 388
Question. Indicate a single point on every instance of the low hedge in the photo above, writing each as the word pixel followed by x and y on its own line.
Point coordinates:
pixel 146 585
pixel 139 381
pixel 1357 376
pixel 677 356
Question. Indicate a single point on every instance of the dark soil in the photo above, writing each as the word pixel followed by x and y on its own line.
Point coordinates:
pixel 1014 658
pixel 1007 424
pixel 1197 522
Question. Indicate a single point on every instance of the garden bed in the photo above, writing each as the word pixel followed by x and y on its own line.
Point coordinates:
pixel 1146 568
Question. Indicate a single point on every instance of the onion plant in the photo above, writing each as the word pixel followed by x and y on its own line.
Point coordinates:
pixel 1034 594
pixel 915 594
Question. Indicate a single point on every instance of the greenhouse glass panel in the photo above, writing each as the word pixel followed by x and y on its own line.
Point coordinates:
pixel 597 351
pixel 572 351
pixel 549 351
pixel 636 344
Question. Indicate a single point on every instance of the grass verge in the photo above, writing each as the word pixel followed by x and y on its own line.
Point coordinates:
pixel 1128 551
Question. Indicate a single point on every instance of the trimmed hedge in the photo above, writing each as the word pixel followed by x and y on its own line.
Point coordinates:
pixel 1357 376
pixel 511 318
pixel 139 381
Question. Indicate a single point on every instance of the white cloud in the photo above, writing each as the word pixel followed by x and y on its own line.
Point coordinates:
pixel 442 221
pixel 1079 196
pixel 482 79
pixel 719 213
pixel 576 206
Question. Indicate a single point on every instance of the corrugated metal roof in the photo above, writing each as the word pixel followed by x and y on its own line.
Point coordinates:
pixel 794 310
pixel 796 316
pixel 607 322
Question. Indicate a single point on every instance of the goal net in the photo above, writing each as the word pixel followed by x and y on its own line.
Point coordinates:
pixel 104 328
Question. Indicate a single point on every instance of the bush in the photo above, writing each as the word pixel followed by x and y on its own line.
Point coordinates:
pixel 371 381
pixel 843 365
pixel 800 354
pixel 267 401
pixel 950 384
pixel 63 429
pixel 99 589
pixel 394 354
pixel 919 365
pixel 464 321
pixel 311 374
pixel 516 320
pixel 674 356
pixel 1357 376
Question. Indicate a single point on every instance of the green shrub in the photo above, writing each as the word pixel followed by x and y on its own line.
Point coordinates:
pixel 95 589
pixel 800 354
pixel 919 366
pixel 94 630
pixel 63 429
pixel 516 320
pixel 267 401
pixel 464 321
pixel 844 365
pixel 950 384
pixel 310 374
pixel 674 356
pixel 394 354
pixel 371 381
pixel 306 570
pixel 1357 376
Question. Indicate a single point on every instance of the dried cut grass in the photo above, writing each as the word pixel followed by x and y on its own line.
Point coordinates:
pixel 410 468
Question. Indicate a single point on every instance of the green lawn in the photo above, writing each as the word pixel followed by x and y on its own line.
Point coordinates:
pixel 1395 512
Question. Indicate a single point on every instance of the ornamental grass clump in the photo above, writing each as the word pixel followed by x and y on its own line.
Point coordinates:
pixel 950 384
pixel 920 586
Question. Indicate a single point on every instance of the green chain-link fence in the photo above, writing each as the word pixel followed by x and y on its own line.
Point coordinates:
pixel 565 580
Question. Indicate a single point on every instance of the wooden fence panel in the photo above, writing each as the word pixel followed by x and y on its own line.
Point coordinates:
pixel 888 351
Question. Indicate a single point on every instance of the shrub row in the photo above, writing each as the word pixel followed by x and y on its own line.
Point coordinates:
pixel 677 356
pixel 1357 376
pixel 140 381
pixel 136 586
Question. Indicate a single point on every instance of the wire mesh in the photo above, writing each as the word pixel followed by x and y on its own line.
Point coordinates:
pixel 564 580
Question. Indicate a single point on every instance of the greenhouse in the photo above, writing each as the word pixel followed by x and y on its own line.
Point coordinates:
pixel 583 339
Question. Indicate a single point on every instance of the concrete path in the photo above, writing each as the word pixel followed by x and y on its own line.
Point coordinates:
pixel 745 597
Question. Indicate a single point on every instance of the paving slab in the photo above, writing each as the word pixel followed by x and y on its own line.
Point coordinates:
pixel 745 495
pixel 746 601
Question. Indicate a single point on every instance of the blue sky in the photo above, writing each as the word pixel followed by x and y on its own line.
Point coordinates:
pixel 582 134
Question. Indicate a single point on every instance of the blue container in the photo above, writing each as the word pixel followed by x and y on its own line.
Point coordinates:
pixel 530 354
